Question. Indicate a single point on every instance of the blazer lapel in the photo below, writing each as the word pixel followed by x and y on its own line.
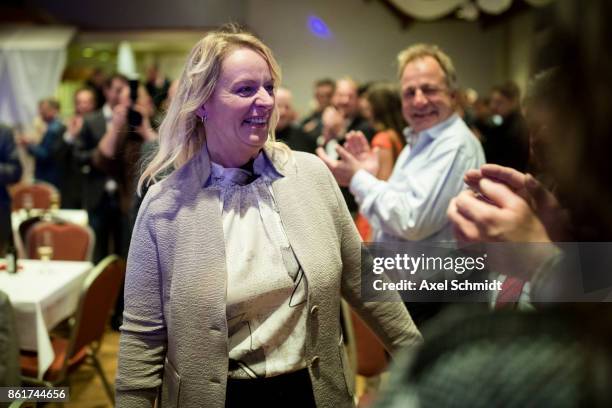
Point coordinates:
pixel 297 221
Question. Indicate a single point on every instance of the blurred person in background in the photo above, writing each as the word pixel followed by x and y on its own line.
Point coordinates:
pixel 97 81
pixel 119 155
pixel 10 173
pixel 160 112
pixel 84 103
pixel 119 152
pixel 466 98
pixel 411 205
pixel 507 142
pixel 381 105
pixel 341 117
pixel 286 114
pixel 100 196
pixel 286 129
pixel 47 159
pixel 72 185
pixel 312 124
pixel 157 85
pixel 482 121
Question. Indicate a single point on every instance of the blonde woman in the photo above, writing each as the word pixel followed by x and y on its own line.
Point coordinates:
pixel 240 256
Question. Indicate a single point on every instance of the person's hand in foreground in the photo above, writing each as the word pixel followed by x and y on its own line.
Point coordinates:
pixel 542 202
pixel 494 214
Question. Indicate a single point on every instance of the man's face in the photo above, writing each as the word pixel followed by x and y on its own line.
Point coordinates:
pixel 47 112
pixel 286 114
pixel 84 102
pixel 426 99
pixel 345 98
pixel 501 105
pixel 323 95
pixel 113 93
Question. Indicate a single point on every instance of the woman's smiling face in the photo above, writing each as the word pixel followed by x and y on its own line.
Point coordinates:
pixel 238 112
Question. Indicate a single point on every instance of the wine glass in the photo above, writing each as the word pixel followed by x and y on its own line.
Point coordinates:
pixel 44 248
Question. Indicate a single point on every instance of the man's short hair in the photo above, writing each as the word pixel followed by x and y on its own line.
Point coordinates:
pixel 508 89
pixel 109 81
pixel 325 82
pixel 52 102
pixel 418 51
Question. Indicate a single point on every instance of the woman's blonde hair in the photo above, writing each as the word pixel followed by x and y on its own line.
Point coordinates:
pixel 181 133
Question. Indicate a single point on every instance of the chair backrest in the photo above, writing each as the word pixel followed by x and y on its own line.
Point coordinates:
pixel 98 298
pixel 37 195
pixel 70 242
pixel 25 227
pixel 371 355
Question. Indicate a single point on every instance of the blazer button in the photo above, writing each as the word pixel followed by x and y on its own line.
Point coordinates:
pixel 314 310
pixel 314 361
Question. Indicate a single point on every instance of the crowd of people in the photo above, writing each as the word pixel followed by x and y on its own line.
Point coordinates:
pixel 72 152
pixel 244 243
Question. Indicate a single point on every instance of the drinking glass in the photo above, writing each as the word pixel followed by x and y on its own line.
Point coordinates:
pixel 44 248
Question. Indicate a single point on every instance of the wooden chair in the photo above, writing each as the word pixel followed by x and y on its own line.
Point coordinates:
pixel 37 195
pixel 370 360
pixel 70 242
pixel 371 354
pixel 22 233
pixel 98 296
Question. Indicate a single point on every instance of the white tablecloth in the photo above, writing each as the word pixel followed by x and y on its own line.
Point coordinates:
pixel 43 294
pixel 17 217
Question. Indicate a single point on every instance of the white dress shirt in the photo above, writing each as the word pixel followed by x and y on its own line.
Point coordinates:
pixel 266 287
pixel 411 205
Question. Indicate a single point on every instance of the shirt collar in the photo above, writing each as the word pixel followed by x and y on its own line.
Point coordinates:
pixel 262 168
pixel 107 112
pixel 432 132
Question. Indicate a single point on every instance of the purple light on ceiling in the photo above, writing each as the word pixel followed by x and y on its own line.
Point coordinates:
pixel 318 27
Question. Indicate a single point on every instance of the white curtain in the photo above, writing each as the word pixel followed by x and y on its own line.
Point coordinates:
pixel 32 60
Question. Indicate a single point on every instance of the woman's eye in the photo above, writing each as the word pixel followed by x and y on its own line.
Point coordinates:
pixel 270 89
pixel 245 90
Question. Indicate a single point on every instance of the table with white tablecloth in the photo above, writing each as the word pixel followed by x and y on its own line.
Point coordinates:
pixel 43 293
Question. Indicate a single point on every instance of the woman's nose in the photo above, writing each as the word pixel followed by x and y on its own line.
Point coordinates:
pixel 264 98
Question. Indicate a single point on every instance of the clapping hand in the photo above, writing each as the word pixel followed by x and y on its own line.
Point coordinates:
pixel 501 207
pixel 504 216
pixel 333 123
pixel 356 155
pixel 541 201
pixel 357 145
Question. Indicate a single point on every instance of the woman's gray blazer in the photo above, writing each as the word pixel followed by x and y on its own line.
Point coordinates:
pixel 174 334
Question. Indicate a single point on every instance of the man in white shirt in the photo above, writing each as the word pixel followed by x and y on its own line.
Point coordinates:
pixel 411 205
